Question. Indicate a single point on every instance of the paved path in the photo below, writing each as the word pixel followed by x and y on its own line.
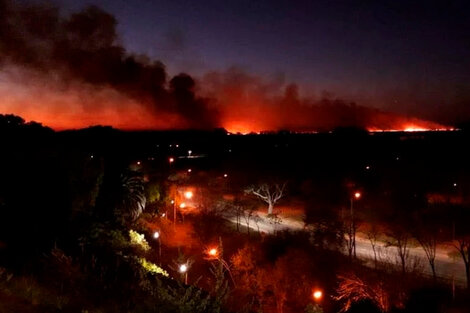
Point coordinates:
pixel 447 268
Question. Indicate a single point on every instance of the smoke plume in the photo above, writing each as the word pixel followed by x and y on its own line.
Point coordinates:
pixel 71 72
pixel 76 66
pixel 247 103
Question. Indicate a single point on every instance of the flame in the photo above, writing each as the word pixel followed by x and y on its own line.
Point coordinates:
pixel 70 109
pixel 242 127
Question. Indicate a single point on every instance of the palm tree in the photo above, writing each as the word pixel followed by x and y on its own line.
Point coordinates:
pixel 132 196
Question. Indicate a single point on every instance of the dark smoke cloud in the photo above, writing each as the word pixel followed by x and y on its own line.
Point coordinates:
pixel 74 67
pixel 83 47
pixel 248 102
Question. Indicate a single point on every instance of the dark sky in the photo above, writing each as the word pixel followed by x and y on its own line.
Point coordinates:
pixel 408 57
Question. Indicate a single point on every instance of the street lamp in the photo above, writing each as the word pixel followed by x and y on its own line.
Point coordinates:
pixel 171 160
pixel 317 294
pixel 188 194
pixel 156 235
pixel 212 252
pixel 183 269
pixel 357 196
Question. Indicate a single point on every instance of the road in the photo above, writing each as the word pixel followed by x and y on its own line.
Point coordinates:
pixel 447 268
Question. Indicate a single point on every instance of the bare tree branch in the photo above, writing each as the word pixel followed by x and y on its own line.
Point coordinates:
pixel 270 194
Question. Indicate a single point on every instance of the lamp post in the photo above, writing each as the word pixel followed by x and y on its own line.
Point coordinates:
pixel 214 254
pixel 156 235
pixel 188 194
pixel 357 196
pixel 174 211
pixel 183 269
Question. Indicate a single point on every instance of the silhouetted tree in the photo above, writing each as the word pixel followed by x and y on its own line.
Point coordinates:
pixel 270 194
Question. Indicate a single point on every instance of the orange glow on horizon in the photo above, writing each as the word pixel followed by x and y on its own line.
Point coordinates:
pixel 419 126
pixel 241 127
pixel 244 109
pixel 63 110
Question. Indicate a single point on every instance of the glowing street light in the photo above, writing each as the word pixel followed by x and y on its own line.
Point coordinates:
pixel 171 160
pixel 317 295
pixel 212 252
pixel 188 194
pixel 189 170
pixel 156 235
pixel 182 205
pixel 225 175
pixel 183 269
pixel 352 247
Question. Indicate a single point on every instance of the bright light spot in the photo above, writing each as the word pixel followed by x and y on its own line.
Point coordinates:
pixel 171 160
pixel 367 167
pixel 163 214
pixel 455 184
pixel 183 268
pixel 317 294
pixel 177 146
pixel 189 170
pixel 138 162
pixel 413 128
pixel 172 201
pixel 225 175
pixel 91 156
pixel 156 235
pixel 213 252
pixel 188 194
pixel 357 195
pixel 189 152
pixel 182 205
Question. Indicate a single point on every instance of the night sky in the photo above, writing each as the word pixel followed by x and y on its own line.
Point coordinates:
pixel 407 57
pixel 382 53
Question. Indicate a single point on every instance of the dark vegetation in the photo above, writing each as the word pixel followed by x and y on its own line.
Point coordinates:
pixel 73 205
